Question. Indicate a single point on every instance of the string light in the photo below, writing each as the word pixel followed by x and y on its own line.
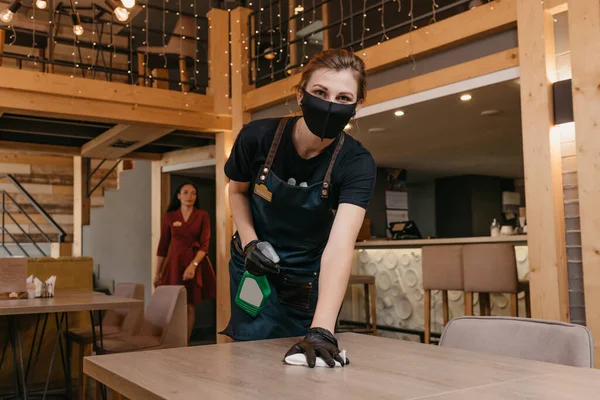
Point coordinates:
pixel 385 36
pixel 434 7
pixel 271 55
pixel 399 5
pixel 33 38
pixel 196 72
pixel 340 33
pixel 304 56
pixel 280 27
pixel 364 27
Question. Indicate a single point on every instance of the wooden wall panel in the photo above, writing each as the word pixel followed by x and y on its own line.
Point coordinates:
pixel 584 36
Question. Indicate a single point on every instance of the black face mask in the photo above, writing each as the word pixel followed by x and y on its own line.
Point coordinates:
pixel 324 118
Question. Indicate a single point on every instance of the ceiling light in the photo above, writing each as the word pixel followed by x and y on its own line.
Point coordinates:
pixel 489 113
pixel 475 3
pixel 399 113
pixel 348 126
pixel 269 54
pixel 465 97
pixel 128 3
pixel 41 4
pixel 77 28
pixel 7 14
pixel 120 12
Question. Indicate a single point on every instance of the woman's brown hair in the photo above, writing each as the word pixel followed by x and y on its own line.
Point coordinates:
pixel 336 60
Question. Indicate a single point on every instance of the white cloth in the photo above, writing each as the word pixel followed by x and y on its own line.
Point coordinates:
pixel 300 359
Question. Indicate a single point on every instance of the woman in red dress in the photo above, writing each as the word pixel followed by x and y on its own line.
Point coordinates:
pixel 182 249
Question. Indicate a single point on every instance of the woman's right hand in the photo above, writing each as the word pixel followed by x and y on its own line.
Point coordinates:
pixel 156 281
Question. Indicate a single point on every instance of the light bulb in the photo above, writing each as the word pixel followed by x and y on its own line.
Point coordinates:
pixel 41 4
pixel 399 113
pixel 128 3
pixel 298 9
pixel 78 30
pixel 122 14
pixel 465 97
pixel 6 15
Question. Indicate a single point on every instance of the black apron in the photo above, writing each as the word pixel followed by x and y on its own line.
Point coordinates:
pixel 296 221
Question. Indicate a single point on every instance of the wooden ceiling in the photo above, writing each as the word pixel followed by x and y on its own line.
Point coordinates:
pixel 447 136
pixel 22 131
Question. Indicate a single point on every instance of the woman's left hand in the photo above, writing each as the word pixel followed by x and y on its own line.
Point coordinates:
pixel 189 272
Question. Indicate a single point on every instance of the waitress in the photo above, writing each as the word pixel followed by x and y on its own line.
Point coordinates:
pixel 181 256
pixel 301 185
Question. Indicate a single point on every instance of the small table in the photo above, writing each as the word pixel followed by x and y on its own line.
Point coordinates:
pixel 381 368
pixel 60 305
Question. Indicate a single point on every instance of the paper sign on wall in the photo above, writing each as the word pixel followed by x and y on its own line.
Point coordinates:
pixel 396 200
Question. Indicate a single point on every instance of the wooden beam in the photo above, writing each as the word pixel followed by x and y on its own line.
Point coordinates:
pixel 224 143
pixel 81 204
pixel 293 28
pixel 542 164
pixel 67 151
pixel 58 96
pixel 584 34
pixel 456 73
pixel 161 191
pixel 556 6
pixel 240 82
pixel 484 20
pixel 218 60
pixel 189 155
pixel 141 134
pixel 224 232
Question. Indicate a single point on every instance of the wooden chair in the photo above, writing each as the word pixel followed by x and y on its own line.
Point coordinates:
pixel 164 325
pixel 442 270
pixel 370 304
pixel 547 341
pixel 115 322
pixel 492 268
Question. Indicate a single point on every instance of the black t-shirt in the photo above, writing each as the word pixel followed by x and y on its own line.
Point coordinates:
pixel 352 178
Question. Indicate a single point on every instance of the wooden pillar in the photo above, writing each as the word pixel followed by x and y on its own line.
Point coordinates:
pixel 292 29
pixel 141 64
pixel 224 142
pixel 218 60
pixel 161 191
pixel 584 37
pixel 81 203
pixel 325 19
pixel 183 75
pixel 541 156
pixel 61 249
pixel 2 38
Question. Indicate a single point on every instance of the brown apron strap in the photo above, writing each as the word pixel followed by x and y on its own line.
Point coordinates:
pixel 327 180
pixel 273 150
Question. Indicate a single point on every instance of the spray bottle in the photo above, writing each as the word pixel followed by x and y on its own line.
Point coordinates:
pixel 253 291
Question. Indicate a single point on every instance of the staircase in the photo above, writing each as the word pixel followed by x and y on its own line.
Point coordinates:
pixel 37 199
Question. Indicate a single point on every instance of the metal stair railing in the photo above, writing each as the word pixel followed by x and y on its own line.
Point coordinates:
pixel 6 213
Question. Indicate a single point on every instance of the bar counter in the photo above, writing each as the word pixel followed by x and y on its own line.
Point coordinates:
pixel 397 266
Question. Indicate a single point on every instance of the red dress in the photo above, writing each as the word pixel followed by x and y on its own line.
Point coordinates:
pixel 180 241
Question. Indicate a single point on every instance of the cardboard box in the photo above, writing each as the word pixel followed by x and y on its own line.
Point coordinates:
pixel 13 274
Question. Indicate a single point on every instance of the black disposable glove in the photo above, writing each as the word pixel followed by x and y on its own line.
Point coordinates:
pixel 319 342
pixel 257 262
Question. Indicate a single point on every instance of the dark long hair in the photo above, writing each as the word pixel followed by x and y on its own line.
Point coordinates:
pixel 175 203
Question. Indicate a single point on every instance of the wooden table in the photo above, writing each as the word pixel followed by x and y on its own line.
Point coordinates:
pixel 380 368
pixel 65 301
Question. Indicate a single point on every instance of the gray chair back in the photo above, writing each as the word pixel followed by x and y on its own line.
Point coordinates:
pixel 548 341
